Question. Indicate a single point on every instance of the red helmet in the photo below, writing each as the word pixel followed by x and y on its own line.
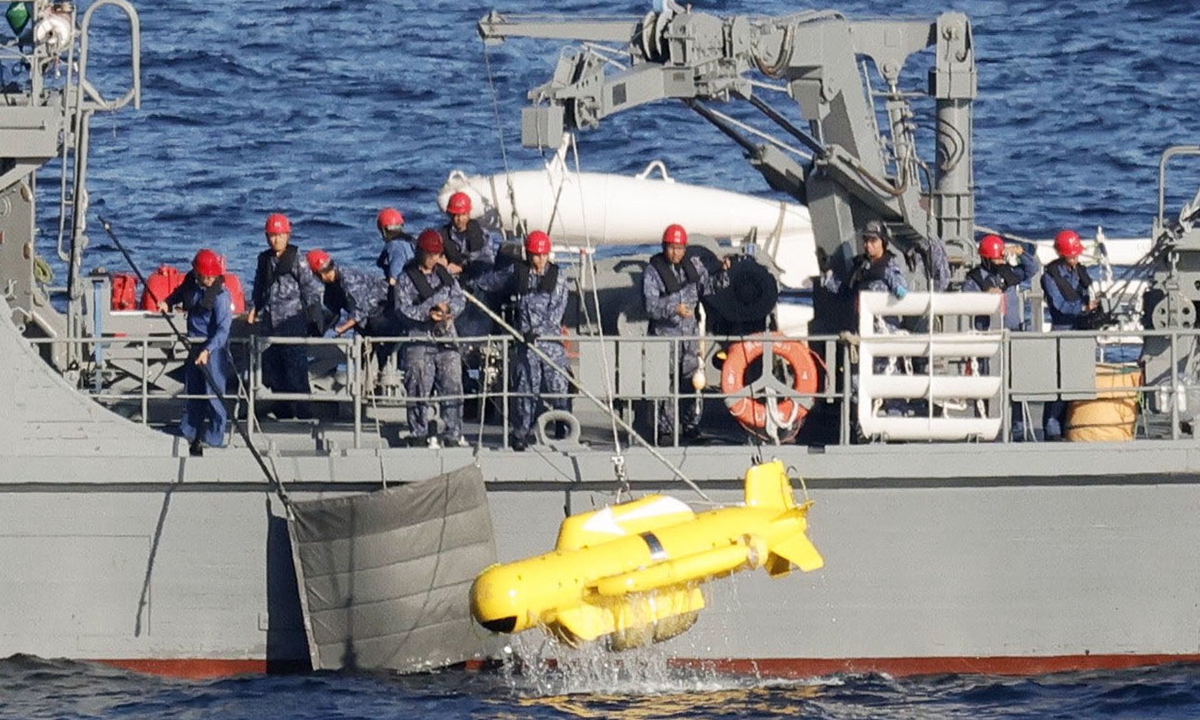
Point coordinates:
pixel 389 219
pixel 674 235
pixel 430 241
pixel 318 260
pixel 537 243
pixel 278 224
pixel 1068 244
pixel 991 247
pixel 460 203
pixel 207 264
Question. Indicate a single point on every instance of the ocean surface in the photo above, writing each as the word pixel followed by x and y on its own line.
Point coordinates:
pixel 33 689
pixel 330 110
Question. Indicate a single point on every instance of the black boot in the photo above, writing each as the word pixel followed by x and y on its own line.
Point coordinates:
pixel 196 449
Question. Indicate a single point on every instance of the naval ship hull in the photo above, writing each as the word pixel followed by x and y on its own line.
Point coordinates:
pixel 945 557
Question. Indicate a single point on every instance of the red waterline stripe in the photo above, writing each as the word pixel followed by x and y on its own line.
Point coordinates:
pixel 204 669
pixel 1034 665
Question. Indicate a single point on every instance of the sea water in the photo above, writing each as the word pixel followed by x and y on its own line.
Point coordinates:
pixel 329 110
pixel 32 688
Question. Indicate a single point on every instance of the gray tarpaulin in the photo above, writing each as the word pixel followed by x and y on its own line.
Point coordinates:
pixel 385 576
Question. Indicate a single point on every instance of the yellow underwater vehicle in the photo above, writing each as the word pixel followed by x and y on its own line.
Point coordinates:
pixel 631 573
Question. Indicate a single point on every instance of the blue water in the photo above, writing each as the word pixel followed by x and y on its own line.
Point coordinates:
pixel 40 689
pixel 328 110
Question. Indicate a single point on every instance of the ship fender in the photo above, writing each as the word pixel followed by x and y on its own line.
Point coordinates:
pixel 756 405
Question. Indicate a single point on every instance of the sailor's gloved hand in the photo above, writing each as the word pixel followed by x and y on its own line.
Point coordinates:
pixel 531 337
pixel 899 292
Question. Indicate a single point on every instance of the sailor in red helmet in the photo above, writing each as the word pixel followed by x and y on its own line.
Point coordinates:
pixel 1068 290
pixel 399 248
pixel 427 299
pixel 468 249
pixel 538 291
pixel 356 300
pixel 672 287
pixel 996 274
pixel 286 302
pixel 209 309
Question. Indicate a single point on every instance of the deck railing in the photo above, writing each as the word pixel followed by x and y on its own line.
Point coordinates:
pixel 133 376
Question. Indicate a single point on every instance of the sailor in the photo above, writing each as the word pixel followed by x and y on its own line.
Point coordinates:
pixel 209 309
pixel 996 274
pixel 1067 288
pixel 469 252
pixel 875 270
pixel 357 300
pixel 398 246
pixel 672 287
pixel 539 293
pixel 287 301
pixel 428 297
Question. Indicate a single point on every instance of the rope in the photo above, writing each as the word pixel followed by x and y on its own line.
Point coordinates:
pixel 512 195
pixel 268 470
pixel 618 460
pixel 585 392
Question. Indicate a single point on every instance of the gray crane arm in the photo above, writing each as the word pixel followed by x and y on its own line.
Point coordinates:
pixel 856 173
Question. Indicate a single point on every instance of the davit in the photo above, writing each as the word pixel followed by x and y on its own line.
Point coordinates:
pixel 631 574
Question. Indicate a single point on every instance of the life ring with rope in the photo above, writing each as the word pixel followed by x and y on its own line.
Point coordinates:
pixel 760 406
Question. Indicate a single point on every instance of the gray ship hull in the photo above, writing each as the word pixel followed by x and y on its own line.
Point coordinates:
pixel 992 557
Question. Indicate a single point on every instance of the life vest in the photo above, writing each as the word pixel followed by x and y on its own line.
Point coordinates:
pixel 421 281
pixel 287 264
pixel 207 299
pixel 524 275
pixel 1000 276
pixel 666 273
pixel 161 283
pixel 475 242
pixel 867 271
pixel 1069 292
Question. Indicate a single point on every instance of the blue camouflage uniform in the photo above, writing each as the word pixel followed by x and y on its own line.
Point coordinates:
pixel 361 296
pixel 882 275
pixel 397 252
pixel 430 362
pixel 1007 279
pixel 688 287
pixel 472 251
pixel 287 299
pixel 209 315
pixel 541 300
pixel 1068 292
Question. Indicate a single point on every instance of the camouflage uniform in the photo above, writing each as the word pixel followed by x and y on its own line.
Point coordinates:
pixel 541 300
pixel 882 275
pixel 287 299
pixel 431 364
pixel 472 251
pixel 361 296
pixel 665 322
pixel 209 315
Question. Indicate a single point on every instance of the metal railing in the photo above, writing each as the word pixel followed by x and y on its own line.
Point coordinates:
pixel 133 374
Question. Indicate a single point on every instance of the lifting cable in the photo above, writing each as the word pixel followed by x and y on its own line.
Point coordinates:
pixel 618 458
pixel 267 469
pixel 583 391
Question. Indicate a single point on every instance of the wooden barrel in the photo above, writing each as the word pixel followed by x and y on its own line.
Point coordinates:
pixel 1111 416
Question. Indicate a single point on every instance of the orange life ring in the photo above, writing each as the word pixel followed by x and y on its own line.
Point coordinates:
pixel 751 412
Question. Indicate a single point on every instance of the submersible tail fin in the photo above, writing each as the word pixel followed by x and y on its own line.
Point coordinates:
pixel 768 487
